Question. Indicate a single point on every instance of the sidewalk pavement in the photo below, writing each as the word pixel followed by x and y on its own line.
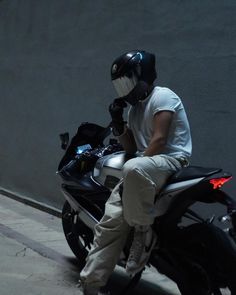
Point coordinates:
pixel 36 260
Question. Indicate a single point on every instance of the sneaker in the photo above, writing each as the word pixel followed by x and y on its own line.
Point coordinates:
pixel 141 248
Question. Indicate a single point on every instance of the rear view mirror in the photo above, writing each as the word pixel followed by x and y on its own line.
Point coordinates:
pixel 64 137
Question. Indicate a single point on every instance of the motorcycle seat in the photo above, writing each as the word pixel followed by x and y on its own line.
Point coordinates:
pixel 192 172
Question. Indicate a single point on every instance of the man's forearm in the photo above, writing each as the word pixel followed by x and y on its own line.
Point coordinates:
pixel 128 142
pixel 155 147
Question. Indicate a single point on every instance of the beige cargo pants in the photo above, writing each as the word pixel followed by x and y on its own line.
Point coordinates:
pixel 143 177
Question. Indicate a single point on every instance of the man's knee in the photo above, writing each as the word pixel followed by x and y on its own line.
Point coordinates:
pixel 132 167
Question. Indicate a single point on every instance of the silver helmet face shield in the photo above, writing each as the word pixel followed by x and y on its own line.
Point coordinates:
pixel 124 85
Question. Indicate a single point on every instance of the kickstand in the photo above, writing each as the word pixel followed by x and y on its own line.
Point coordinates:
pixel 132 283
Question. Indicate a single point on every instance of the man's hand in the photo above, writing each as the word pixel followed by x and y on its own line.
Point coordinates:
pixel 116 110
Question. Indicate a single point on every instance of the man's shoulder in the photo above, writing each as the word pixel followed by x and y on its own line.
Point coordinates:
pixel 164 99
pixel 165 91
pixel 164 95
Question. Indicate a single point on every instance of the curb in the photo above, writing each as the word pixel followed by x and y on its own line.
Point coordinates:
pixel 30 202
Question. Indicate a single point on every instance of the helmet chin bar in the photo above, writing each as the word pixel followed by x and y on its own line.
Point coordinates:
pixel 139 92
pixel 132 100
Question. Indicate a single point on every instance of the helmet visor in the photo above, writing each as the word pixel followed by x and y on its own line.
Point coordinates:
pixel 124 85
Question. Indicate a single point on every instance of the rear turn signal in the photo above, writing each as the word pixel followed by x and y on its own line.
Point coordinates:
pixel 218 182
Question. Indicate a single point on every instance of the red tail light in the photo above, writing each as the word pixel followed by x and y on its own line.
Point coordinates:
pixel 218 182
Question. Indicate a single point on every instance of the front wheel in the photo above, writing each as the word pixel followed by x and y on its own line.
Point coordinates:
pixel 79 236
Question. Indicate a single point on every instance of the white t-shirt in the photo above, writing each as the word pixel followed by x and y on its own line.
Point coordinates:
pixel 140 121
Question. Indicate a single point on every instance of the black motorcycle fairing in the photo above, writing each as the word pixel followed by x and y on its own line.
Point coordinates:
pixel 87 133
pixel 84 183
pixel 91 200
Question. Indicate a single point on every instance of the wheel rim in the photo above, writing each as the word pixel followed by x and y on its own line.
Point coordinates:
pixel 78 235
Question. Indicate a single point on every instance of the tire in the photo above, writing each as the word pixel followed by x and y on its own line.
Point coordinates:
pixel 217 254
pixel 79 236
pixel 200 258
pixel 222 252
pixel 190 279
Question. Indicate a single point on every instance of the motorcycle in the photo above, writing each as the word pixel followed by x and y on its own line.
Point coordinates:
pixel 198 256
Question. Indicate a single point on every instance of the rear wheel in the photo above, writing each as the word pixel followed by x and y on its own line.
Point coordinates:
pixel 79 236
pixel 211 248
pixel 189 277
pixel 199 258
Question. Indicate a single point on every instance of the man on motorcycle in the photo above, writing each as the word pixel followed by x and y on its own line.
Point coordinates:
pixel 158 132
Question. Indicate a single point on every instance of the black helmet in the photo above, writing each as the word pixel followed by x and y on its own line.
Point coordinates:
pixel 131 68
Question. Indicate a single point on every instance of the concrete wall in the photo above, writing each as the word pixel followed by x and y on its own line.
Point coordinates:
pixel 55 60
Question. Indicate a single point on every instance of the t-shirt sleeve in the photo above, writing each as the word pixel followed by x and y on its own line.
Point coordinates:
pixel 165 100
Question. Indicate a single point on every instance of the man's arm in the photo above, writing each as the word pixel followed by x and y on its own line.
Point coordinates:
pixel 128 142
pixel 120 129
pixel 162 122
